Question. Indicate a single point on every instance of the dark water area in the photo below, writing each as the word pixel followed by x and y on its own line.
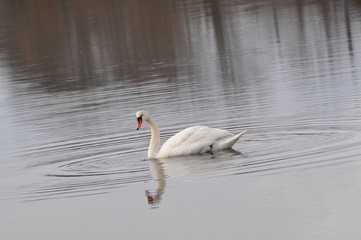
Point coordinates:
pixel 73 73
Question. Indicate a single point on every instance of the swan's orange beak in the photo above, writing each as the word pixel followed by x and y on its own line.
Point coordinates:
pixel 139 124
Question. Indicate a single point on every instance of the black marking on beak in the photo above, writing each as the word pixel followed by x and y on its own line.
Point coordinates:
pixel 140 120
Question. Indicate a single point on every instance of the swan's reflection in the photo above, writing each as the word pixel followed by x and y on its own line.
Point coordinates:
pixel 191 166
pixel 157 170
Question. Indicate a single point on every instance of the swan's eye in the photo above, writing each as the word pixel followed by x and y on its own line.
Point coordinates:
pixel 140 118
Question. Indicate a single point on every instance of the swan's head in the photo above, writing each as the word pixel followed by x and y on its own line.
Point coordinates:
pixel 141 115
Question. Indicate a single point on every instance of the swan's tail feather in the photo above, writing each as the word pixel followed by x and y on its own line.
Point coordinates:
pixel 241 133
pixel 229 142
pixel 237 137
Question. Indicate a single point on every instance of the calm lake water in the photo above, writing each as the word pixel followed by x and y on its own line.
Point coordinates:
pixel 73 73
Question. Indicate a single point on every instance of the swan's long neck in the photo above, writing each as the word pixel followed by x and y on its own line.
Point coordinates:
pixel 154 139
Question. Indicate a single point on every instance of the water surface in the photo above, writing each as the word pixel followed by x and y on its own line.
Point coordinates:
pixel 73 74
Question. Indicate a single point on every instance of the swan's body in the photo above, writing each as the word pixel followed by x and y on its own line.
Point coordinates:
pixel 192 140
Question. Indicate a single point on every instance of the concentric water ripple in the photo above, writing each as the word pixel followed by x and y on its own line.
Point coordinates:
pixel 264 149
pixel 308 143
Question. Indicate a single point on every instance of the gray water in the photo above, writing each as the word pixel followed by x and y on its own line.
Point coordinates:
pixel 73 73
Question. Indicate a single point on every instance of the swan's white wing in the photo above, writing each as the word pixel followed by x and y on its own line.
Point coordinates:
pixel 193 140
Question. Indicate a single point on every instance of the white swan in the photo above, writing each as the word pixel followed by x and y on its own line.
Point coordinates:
pixel 192 140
